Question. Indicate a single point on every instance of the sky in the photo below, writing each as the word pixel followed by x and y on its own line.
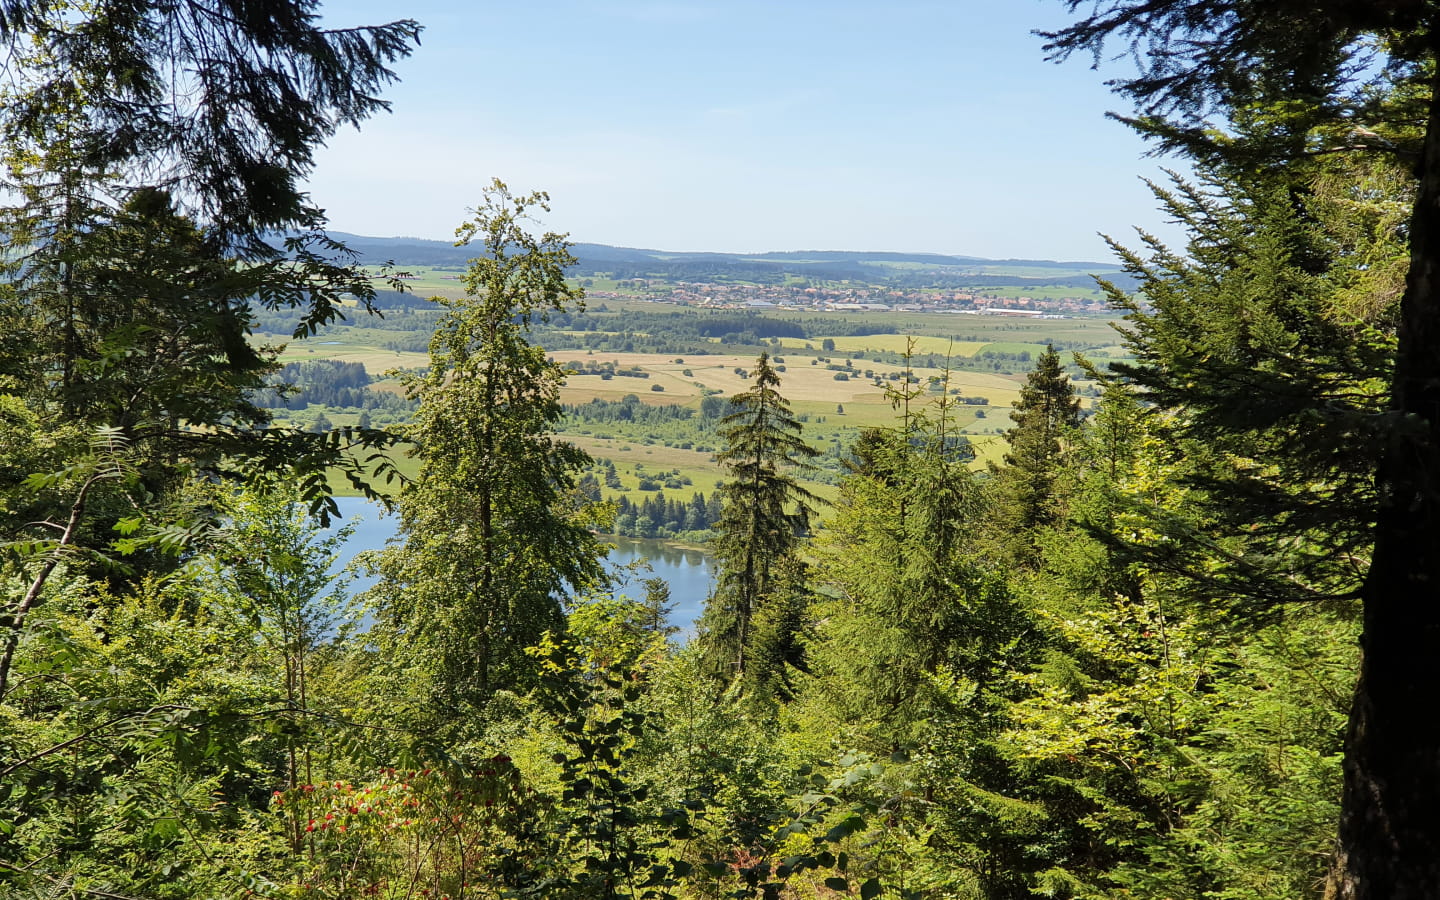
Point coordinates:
pixel 744 127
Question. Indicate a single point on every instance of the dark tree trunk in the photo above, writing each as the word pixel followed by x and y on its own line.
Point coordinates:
pixel 1390 815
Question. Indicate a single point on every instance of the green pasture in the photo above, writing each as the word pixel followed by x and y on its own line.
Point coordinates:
pixel 1015 348
pixel 376 361
pixel 833 402
pixel 894 343
pixel 1041 291
pixel 1038 272
pixel 1111 351
pixel 804 380
pixel 1083 330
pixel 423 281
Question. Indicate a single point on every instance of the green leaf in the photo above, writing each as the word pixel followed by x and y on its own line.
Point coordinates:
pixel 846 828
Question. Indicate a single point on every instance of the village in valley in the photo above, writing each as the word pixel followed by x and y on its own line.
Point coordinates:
pixel 851 298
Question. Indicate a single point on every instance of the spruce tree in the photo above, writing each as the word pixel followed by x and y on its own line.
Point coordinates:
pixel 222 102
pixel 1046 411
pixel 765 513
pixel 492 545
pixel 133 195
pixel 1278 87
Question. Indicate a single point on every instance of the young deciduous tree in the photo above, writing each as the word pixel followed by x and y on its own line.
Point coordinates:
pixel 271 567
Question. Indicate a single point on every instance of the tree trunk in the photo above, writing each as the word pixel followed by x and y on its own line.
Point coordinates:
pixel 1390 814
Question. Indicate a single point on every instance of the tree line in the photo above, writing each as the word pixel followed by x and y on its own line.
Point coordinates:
pixel 626 409
pixel 658 516
pixel 325 382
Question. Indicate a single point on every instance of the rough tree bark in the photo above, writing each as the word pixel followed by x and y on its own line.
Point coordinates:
pixel 1390 813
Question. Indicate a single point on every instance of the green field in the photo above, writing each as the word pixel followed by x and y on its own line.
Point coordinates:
pixel 375 360
pixel 835 393
pixel 1041 292
pixel 1014 347
pixel 895 343
pixel 1086 330
pixel 426 281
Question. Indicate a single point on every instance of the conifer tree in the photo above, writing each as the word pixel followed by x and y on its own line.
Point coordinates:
pixel 491 547
pixel 914 594
pixel 221 102
pixel 1046 411
pixel 1127 767
pixel 1277 87
pixel 765 513
pixel 126 306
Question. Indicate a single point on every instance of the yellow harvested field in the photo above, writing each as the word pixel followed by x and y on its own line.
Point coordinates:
pixel 895 343
pixel 809 388
pixel 389 386
pixel 698 466
pixel 655 456
pixel 988 448
pixel 799 383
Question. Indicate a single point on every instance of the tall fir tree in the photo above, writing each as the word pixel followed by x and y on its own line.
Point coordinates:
pixel 1276 87
pixel 765 513
pixel 1045 415
pixel 492 543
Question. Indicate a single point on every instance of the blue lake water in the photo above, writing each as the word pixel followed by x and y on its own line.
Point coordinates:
pixel 687 571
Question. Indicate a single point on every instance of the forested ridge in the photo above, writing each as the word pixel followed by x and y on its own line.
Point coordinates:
pixel 935 270
pixel 1178 642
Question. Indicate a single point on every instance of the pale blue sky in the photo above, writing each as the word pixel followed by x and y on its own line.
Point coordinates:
pixel 747 126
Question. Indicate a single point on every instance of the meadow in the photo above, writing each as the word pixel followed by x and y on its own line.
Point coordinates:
pixel 977 362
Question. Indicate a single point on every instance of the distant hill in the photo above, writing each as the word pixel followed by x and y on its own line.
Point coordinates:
pixel 871 267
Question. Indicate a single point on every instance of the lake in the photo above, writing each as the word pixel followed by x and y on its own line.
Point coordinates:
pixel 687 571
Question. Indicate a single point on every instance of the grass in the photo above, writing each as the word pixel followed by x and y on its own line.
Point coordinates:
pixel 811 388
pixel 812 391
pixel 1084 330
pixel 894 343
pixel 376 361
pixel 1014 348
pixel 1040 292
pixel 426 281
pixel 801 382
pixel 654 460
